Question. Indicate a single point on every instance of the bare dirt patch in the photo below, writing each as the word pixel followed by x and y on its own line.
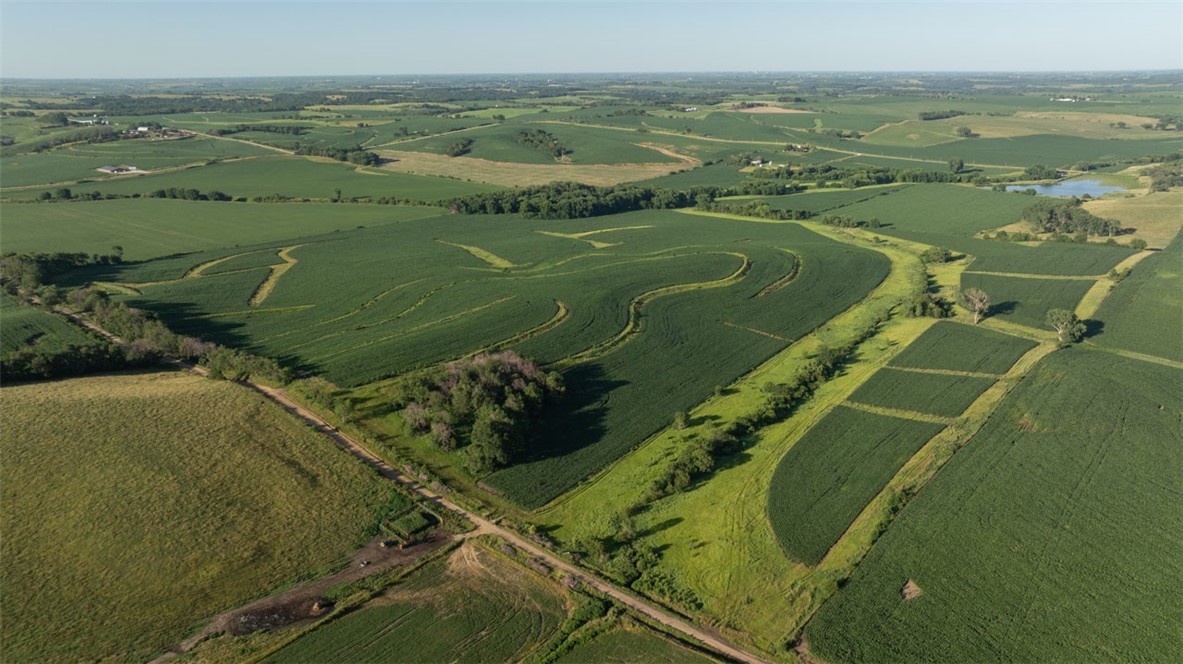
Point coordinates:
pixel 517 175
pixel 307 601
pixel 911 591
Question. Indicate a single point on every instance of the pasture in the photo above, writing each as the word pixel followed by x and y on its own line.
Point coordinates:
pixel 138 505
pixel 472 606
pixel 1051 503
pixel 831 474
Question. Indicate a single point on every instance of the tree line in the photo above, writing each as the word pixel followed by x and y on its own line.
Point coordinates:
pixel 1066 217
pixel 354 154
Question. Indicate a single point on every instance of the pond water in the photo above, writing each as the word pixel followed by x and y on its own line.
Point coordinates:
pixel 1066 188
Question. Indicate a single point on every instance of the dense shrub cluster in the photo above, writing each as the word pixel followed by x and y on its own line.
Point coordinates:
pixel 483 406
pixel 1050 216
pixel 354 154
pixel 543 141
pixel 939 115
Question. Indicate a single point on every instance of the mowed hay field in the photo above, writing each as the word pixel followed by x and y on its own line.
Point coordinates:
pixel 137 506
pixel 1053 536
pixel 472 606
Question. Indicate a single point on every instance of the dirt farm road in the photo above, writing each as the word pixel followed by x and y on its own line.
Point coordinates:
pixel 483 525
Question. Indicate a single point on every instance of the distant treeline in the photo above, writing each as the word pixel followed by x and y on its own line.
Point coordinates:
pixel 939 115
pixel 853 177
pixel 353 154
pixel 293 130
pixel 572 200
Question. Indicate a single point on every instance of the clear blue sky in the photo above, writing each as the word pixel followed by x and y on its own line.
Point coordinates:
pixel 195 39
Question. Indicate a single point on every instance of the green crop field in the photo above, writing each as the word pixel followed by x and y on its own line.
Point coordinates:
pixel 160 227
pixel 943 209
pixel 1145 311
pixel 139 505
pixel 22 326
pixel 588 145
pixel 471 607
pixel 823 200
pixel 955 347
pixel 1054 536
pixel 1027 301
pixel 831 474
pixel 294 177
pixel 935 394
pixel 81 161
pixel 632 646
pixel 346 309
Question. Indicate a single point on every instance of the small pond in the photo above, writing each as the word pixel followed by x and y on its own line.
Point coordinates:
pixel 1067 188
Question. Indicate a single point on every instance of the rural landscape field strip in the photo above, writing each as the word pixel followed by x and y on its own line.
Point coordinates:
pixel 833 471
pixel 936 394
pixel 1144 311
pixel 1050 502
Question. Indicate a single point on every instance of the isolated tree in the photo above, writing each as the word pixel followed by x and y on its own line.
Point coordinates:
pixel 681 419
pixel 976 300
pixel 965 132
pixel 955 165
pixel 1068 327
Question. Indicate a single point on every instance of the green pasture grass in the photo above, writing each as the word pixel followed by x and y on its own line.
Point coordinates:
pixel 952 346
pixel 159 227
pixel 936 394
pixel 632 644
pixel 1155 217
pixel 470 607
pixel 831 474
pixel 23 326
pixel 139 505
pixel 71 163
pixel 1027 301
pixel 294 177
pixel 1144 311
pixel 1053 536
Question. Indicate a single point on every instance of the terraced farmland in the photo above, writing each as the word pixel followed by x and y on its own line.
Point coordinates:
pixel 831 474
pixel 1069 492
pixel 372 303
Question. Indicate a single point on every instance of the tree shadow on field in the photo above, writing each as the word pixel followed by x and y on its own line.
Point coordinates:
pixel 1093 327
pixel 663 525
pixel 1003 308
pixel 578 420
